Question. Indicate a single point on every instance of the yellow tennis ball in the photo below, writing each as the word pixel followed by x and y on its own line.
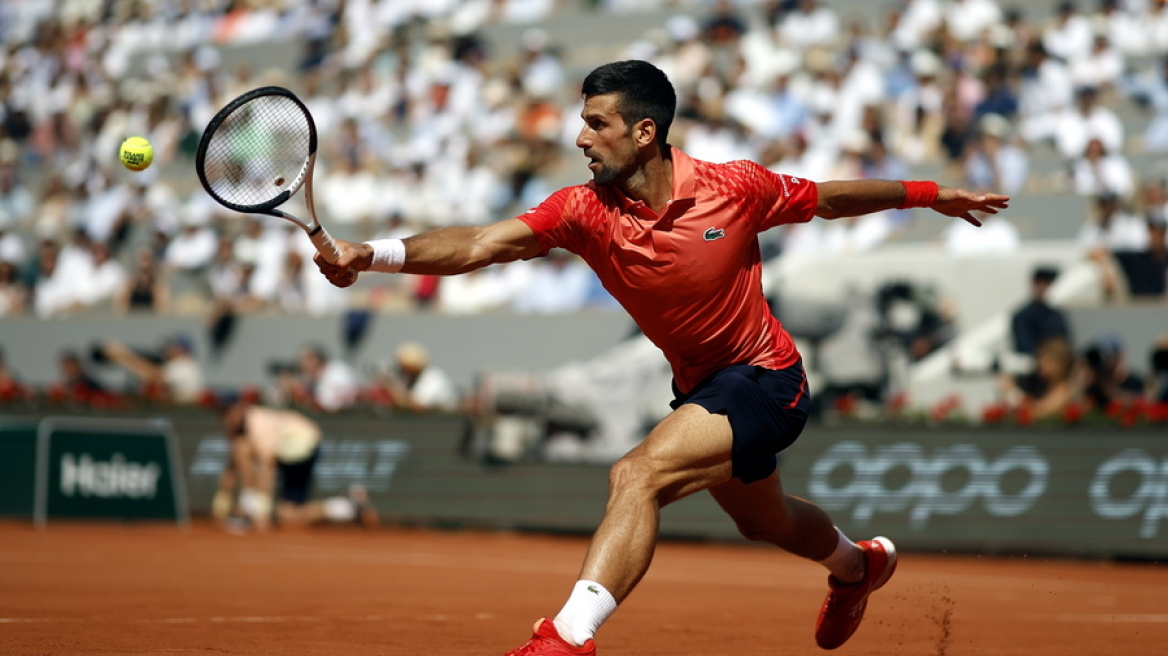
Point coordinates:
pixel 136 153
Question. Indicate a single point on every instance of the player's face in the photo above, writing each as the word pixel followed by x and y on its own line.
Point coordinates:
pixel 606 140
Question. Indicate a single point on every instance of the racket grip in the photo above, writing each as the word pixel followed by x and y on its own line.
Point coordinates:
pixel 325 243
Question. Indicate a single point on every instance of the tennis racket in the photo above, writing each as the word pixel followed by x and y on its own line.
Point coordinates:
pixel 257 152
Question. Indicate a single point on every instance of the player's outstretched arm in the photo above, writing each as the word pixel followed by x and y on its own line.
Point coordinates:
pixel 841 198
pixel 444 251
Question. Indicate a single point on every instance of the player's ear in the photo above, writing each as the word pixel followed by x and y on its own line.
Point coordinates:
pixel 645 132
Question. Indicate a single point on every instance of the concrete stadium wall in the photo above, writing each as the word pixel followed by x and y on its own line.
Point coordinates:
pixel 462 346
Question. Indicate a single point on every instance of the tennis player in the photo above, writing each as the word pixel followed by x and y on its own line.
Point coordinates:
pixel 675 241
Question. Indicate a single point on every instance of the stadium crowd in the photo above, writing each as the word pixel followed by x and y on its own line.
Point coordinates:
pixel 423 125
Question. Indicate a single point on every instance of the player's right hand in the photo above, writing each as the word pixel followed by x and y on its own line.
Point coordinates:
pixel 354 259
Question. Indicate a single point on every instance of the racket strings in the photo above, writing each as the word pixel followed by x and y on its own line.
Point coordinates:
pixel 258 151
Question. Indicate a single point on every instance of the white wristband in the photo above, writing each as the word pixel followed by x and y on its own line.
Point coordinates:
pixel 389 255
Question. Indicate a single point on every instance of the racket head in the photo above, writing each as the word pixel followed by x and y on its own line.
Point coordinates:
pixel 257 151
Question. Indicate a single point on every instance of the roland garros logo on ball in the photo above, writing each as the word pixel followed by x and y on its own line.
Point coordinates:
pixel 136 153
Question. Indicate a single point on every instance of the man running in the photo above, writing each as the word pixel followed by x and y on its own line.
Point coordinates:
pixel 675 241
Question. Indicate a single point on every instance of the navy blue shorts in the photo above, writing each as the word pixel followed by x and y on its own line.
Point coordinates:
pixel 767 409
pixel 296 479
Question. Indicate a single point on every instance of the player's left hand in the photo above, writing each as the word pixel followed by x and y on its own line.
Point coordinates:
pixel 961 203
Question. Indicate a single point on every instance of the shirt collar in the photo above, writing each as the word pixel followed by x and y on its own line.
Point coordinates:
pixel 683 194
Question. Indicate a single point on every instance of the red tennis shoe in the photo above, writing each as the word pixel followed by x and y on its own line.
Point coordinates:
pixel 843 610
pixel 546 641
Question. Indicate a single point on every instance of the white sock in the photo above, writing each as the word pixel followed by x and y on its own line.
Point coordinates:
pixel 339 509
pixel 587 608
pixel 846 563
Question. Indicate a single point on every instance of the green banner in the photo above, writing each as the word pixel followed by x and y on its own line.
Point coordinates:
pixel 98 468
pixel 17 466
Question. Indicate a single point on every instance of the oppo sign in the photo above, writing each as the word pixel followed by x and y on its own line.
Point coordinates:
pixel 923 495
pixel 949 480
pixel 1150 498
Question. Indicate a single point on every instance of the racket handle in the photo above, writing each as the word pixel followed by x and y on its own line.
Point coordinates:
pixel 325 243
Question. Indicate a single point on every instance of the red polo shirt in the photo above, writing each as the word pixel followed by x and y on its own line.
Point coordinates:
pixel 690 277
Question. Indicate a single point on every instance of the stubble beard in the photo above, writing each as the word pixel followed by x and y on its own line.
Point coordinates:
pixel 609 175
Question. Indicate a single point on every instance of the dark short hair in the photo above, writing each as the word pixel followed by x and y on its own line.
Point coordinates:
pixel 1045 273
pixel 645 92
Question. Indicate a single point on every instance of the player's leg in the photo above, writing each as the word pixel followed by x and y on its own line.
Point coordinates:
pixel 762 512
pixel 687 452
pixel 767 410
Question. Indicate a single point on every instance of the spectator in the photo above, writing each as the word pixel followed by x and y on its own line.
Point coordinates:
pixel 13 294
pixel 192 249
pixel 916 23
pixel 998 97
pixel 106 280
pixel 1051 387
pixel 1100 171
pixel 994 161
pixel 11 243
pixel 1157 25
pixel 559 284
pixel 54 293
pixel 1113 228
pixel 414 383
pixel 967 19
pixel 811 25
pixel 1070 35
pixel 1146 271
pixel 1158 370
pixel 1038 321
pixel 1046 93
pixel 172 375
pixel 327 383
pixel 1124 27
pixel 146 289
pixel 270 447
pixel 1150 89
pixel 918 123
pixel 75 383
pixel 1109 380
pixel 1085 121
pixel 1101 67
pixel 17 201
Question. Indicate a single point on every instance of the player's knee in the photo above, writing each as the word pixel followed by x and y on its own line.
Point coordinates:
pixel 634 473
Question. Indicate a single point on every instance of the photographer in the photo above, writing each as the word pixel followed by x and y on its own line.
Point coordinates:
pixel 172 375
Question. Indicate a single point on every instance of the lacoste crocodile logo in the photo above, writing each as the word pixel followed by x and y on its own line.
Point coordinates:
pixel 714 233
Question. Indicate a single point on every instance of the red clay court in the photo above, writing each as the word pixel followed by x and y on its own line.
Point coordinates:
pixel 135 589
